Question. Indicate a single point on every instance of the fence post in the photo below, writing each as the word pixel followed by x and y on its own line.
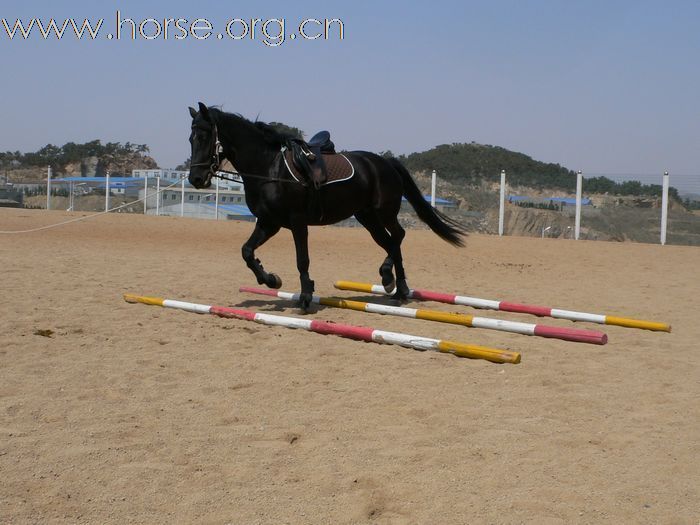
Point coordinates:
pixel 158 196
pixel 107 192
pixel 502 204
pixel 433 185
pixel 48 188
pixel 145 194
pixel 182 198
pixel 216 204
pixel 664 208
pixel 579 185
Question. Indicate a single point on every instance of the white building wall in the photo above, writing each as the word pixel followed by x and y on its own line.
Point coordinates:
pixel 171 176
pixel 173 196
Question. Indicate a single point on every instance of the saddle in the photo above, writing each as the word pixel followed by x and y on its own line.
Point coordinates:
pixel 315 164
pixel 309 159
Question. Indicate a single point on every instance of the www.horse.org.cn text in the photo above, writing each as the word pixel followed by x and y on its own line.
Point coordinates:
pixel 272 32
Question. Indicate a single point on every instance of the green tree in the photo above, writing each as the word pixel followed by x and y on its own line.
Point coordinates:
pixel 288 130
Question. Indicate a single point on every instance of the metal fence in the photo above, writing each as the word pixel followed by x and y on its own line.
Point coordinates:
pixel 148 195
pixel 643 218
pixel 489 209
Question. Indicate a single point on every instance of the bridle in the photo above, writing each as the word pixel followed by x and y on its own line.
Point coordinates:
pixel 214 159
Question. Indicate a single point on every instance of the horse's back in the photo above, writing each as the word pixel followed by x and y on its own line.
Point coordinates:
pixel 379 178
pixel 374 166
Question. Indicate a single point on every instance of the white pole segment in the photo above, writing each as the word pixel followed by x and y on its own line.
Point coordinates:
pixel 557 313
pixel 505 326
pixel 433 185
pixel 475 302
pixel 409 341
pixel 278 320
pixel 189 307
pixel 182 198
pixel 502 203
pixel 48 188
pixel 158 196
pixel 664 208
pixel 579 184
pixel 107 192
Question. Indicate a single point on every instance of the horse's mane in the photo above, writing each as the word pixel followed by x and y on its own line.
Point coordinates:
pixel 269 133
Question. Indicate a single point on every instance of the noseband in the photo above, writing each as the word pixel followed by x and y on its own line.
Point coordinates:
pixel 215 158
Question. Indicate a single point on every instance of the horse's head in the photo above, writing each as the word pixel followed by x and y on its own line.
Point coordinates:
pixel 206 148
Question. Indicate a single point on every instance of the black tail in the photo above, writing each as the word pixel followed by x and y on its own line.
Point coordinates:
pixel 446 228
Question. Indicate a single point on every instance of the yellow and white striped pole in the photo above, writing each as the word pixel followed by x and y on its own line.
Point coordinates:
pixel 505 306
pixel 342 330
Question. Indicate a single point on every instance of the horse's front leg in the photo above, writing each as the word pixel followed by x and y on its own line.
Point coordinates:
pixel 263 231
pixel 301 242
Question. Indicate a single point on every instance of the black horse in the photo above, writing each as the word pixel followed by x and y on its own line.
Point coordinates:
pixel 373 195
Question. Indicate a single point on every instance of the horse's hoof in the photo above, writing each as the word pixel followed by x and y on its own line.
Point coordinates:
pixel 388 281
pixel 399 297
pixel 305 301
pixel 274 281
pixel 389 288
pixel 402 291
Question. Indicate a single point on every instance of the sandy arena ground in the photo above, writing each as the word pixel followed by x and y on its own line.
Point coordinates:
pixel 139 414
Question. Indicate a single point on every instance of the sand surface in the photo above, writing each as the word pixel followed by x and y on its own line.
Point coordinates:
pixel 140 414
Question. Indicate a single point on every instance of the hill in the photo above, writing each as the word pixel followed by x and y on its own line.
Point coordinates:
pixel 471 164
pixel 469 175
pixel 91 159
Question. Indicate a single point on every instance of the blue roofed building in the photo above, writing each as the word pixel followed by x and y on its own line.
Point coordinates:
pixel 561 201
pixel 440 204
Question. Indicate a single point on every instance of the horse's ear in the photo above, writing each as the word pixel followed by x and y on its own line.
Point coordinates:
pixel 193 112
pixel 204 110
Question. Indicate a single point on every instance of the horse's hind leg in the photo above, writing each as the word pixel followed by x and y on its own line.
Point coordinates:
pixel 262 233
pixel 397 235
pixel 301 243
pixel 380 235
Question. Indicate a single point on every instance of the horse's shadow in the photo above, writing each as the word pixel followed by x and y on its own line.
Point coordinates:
pixel 269 305
pixel 282 305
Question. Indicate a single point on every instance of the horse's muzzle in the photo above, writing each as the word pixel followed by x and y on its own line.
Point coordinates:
pixel 200 182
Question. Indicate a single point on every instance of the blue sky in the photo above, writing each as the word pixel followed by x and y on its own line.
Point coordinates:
pixel 605 87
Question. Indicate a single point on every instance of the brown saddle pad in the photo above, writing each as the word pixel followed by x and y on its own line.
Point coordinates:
pixel 338 168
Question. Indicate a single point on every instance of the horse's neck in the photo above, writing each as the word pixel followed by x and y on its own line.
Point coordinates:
pixel 247 149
